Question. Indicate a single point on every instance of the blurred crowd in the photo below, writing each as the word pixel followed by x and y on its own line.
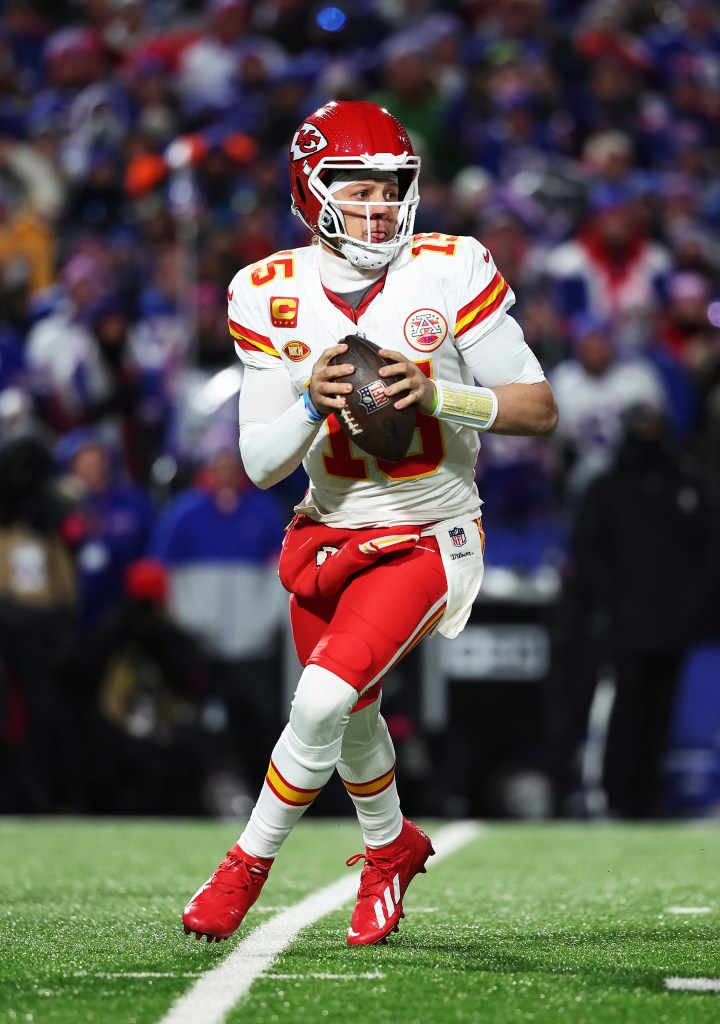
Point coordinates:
pixel 143 149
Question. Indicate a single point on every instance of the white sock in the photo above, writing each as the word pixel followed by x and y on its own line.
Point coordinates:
pixel 367 768
pixel 302 761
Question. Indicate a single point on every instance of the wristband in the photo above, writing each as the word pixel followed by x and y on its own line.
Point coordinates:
pixel 311 412
pixel 465 404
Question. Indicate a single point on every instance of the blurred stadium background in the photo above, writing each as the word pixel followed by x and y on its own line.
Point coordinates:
pixel 144 661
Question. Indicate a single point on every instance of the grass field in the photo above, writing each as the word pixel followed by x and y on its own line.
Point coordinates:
pixel 570 923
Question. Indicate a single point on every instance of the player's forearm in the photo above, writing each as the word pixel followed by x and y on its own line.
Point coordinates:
pixel 525 409
pixel 507 409
pixel 272 451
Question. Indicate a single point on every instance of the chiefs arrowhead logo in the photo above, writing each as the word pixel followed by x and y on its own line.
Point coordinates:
pixel 307 140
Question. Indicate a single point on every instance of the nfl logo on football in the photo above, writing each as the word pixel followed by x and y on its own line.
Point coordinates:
pixel 457 536
pixel 373 396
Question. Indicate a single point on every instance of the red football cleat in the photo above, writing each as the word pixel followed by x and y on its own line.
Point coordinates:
pixel 387 873
pixel 220 904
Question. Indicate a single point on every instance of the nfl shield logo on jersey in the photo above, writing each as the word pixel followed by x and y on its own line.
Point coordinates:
pixel 373 396
pixel 457 536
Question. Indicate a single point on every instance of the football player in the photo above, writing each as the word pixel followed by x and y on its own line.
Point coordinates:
pixel 380 554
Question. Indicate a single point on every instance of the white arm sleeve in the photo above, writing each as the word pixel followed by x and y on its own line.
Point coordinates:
pixel 275 430
pixel 502 356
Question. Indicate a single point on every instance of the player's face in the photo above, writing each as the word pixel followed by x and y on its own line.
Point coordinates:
pixel 374 220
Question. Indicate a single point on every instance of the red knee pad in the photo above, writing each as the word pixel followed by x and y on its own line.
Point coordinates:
pixel 348 655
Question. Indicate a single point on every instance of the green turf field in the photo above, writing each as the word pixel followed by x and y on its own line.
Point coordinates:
pixel 566 923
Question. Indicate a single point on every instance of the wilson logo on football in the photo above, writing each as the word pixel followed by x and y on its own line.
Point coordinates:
pixel 284 312
pixel 425 330
pixel 296 351
pixel 307 140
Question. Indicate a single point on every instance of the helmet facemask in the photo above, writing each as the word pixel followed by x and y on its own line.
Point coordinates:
pixel 333 173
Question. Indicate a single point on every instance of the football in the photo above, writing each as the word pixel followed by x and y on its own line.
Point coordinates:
pixel 370 418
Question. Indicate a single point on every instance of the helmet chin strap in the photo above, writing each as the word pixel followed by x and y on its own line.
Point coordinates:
pixel 360 256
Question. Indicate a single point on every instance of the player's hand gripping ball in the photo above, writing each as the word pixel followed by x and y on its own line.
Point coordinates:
pixel 370 418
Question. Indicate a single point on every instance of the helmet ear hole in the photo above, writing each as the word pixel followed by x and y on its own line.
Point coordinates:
pixel 326 220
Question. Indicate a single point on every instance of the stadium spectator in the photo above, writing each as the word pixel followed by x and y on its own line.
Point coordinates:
pixel 96 200
pixel 220 541
pixel 63 358
pixel 408 88
pixel 38 603
pixel 141 681
pixel 610 269
pixel 691 40
pixel 133 398
pixel 30 197
pixel 209 68
pixel 110 522
pixel 608 156
pixel 647 570
pixel 684 327
pixel 74 60
pixel 594 387
pixel 208 387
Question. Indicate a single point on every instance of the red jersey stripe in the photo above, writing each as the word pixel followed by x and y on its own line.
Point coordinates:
pixel 250 340
pixel 489 299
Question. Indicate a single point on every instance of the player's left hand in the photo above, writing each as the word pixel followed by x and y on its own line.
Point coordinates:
pixel 414 387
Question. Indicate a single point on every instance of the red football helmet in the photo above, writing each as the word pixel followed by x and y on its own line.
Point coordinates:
pixel 349 135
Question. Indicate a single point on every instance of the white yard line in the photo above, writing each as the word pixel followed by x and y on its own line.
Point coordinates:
pixel 321 976
pixel 216 992
pixel 688 910
pixel 693 984
pixel 137 974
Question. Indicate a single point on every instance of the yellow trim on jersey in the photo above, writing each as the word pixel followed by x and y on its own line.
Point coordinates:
pixel 254 343
pixel 383 542
pixel 473 313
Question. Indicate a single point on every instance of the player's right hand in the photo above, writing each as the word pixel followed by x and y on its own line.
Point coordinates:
pixel 326 387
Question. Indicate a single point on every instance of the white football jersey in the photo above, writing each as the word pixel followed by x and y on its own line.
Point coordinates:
pixel 440 304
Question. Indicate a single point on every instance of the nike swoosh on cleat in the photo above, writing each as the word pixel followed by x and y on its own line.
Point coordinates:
pixel 352 933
